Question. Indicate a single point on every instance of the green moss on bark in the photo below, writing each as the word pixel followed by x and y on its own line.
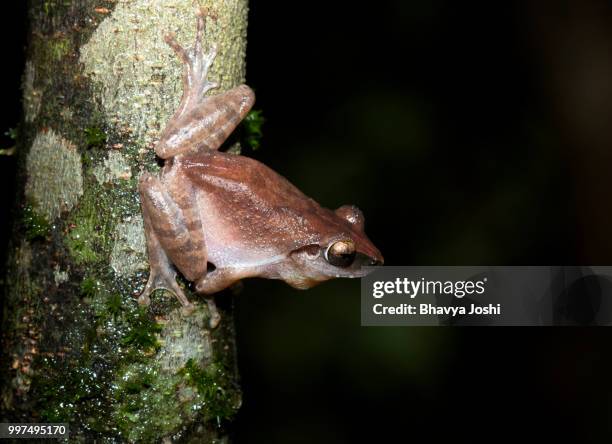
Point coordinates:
pixel 137 389
pixel 36 226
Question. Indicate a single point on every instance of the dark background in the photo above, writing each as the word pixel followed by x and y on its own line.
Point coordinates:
pixel 469 133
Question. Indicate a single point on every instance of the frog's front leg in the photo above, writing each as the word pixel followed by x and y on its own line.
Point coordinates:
pixel 174 237
pixel 218 280
pixel 201 122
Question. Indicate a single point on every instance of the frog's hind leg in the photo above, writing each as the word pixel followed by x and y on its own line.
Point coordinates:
pixel 196 66
pixel 201 122
pixel 169 242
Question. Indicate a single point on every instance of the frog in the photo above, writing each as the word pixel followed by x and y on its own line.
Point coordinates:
pixel 218 217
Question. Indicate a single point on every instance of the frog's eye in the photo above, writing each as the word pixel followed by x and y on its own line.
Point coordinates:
pixel 341 253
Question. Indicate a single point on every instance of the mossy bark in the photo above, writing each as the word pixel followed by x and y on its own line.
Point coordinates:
pixel 99 86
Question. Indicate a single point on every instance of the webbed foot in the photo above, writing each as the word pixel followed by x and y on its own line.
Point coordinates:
pixel 160 280
pixel 197 63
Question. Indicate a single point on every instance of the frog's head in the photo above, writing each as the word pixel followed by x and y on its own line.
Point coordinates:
pixel 342 252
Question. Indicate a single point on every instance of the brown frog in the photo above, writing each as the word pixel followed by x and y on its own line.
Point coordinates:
pixel 220 217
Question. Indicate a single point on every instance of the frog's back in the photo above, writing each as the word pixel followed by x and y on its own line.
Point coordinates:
pixel 244 180
pixel 256 204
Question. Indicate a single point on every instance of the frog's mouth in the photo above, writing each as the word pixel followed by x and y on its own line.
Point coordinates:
pixel 360 267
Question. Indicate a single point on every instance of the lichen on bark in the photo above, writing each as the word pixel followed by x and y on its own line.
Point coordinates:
pixel 54 182
pixel 99 86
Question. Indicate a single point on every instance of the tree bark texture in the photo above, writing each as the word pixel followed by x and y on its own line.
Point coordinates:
pixel 99 85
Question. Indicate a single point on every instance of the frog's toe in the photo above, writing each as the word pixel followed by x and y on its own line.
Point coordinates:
pixel 186 310
pixel 215 317
pixel 214 320
pixel 144 299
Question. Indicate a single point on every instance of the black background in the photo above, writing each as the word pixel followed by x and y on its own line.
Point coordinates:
pixel 449 124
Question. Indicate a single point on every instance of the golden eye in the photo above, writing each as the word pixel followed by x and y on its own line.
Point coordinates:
pixel 341 253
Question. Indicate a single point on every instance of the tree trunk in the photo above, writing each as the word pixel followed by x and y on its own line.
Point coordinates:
pixel 99 85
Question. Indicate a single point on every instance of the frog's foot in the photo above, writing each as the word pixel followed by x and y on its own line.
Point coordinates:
pixel 214 282
pixel 197 63
pixel 215 317
pixel 160 280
